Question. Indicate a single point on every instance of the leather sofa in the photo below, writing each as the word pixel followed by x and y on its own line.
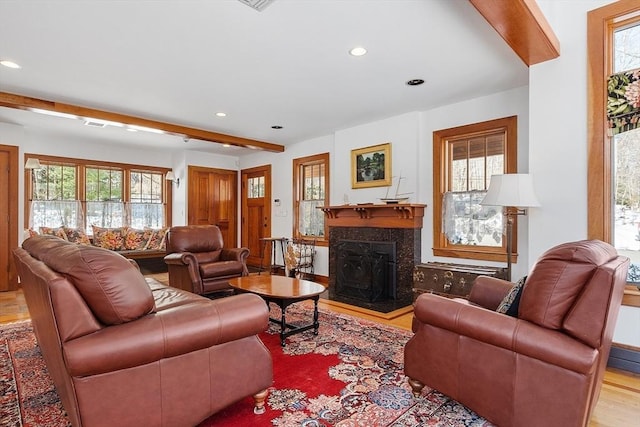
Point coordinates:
pixel 542 368
pixel 198 262
pixel 128 351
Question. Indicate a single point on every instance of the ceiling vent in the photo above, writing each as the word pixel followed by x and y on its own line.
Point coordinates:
pixel 94 124
pixel 258 5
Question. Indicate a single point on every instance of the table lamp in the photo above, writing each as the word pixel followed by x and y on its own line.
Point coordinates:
pixel 514 192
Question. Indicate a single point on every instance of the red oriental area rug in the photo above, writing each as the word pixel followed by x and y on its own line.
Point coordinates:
pixel 349 375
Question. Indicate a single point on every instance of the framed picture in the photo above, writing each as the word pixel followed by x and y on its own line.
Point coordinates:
pixel 371 166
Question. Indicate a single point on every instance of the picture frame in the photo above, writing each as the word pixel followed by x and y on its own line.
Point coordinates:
pixel 371 166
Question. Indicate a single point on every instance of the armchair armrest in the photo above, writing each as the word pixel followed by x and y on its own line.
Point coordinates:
pixel 515 335
pixel 236 254
pixel 168 333
pixel 488 292
pixel 188 261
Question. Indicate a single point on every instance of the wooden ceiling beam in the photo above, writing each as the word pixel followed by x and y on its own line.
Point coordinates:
pixel 523 26
pixel 27 103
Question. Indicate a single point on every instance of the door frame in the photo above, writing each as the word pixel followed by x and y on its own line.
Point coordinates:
pixel 266 169
pixel 12 223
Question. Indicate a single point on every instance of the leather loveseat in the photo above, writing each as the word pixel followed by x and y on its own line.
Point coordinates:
pixel 128 351
pixel 198 262
pixel 542 368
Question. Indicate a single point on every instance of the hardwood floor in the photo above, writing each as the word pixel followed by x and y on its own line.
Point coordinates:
pixel 619 403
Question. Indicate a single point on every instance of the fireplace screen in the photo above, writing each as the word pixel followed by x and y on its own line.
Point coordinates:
pixel 366 270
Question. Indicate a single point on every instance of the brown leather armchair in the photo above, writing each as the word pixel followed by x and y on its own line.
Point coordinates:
pixel 198 262
pixel 541 368
pixel 128 351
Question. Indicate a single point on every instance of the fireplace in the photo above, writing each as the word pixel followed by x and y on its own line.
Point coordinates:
pixel 379 245
pixel 366 270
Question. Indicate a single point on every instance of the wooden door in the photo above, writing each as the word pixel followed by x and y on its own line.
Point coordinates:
pixel 212 199
pixel 256 212
pixel 9 215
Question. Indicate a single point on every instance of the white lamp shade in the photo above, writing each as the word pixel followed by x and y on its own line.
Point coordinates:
pixel 32 164
pixel 514 189
pixel 171 176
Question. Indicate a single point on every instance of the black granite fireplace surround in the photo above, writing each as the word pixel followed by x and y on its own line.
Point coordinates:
pixel 407 245
pixel 373 226
pixel 366 270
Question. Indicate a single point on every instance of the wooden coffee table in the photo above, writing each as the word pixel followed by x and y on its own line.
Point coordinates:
pixel 282 291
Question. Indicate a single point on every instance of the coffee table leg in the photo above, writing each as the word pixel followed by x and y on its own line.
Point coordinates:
pixel 316 323
pixel 283 325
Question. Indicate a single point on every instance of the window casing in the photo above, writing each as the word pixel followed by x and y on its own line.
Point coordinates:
pixel 311 190
pixel 465 157
pixel 79 193
pixel 608 206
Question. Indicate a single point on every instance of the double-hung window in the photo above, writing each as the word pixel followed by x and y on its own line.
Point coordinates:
pixel 311 190
pixel 465 158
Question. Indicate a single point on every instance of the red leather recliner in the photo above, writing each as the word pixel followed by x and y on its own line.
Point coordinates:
pixel 126 351
pixel 198 262
pixel 543 368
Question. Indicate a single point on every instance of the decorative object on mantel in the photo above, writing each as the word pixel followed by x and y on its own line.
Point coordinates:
pixel 371 166
pixel 397 197
pixel 514 192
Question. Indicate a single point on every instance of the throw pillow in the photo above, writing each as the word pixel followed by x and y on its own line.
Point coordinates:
pixel 510 303
pixel 54 231
pixel 157 240
pixel 109 238
pixel 76 235
pixel 137 240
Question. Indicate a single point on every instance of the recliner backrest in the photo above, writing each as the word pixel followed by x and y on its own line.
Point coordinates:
pixel 194 239
pixel 558 280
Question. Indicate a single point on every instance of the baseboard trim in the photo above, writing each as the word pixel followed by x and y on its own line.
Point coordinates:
pixel 627 359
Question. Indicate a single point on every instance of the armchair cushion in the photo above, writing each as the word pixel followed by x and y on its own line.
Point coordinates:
pixel 221 268
pixel 112 287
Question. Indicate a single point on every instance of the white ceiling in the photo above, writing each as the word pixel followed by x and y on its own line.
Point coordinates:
pixel 182 61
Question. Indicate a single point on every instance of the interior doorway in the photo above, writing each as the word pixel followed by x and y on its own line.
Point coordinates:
pixel 212 199
pixel 256 212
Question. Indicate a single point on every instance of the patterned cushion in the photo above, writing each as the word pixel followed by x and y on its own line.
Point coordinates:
pixel 77 235
pixel 511 301
pixel 157 240
pixel 109 238
pixel 136 240
pixel 57 231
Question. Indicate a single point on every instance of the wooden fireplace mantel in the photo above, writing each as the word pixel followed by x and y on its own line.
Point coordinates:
pixel 402 215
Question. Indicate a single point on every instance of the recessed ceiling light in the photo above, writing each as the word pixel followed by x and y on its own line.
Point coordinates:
pixel 358 51
pixel 276 127
pixel 226 145
pixel 221 114
pixel 9 64
pixel 415 82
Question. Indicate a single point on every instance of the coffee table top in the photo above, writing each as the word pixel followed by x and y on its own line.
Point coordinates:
pixel 277 286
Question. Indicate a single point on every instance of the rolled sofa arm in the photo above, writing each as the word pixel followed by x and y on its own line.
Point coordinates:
pixel 488 292
pixel 497 329
pixel 168 333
